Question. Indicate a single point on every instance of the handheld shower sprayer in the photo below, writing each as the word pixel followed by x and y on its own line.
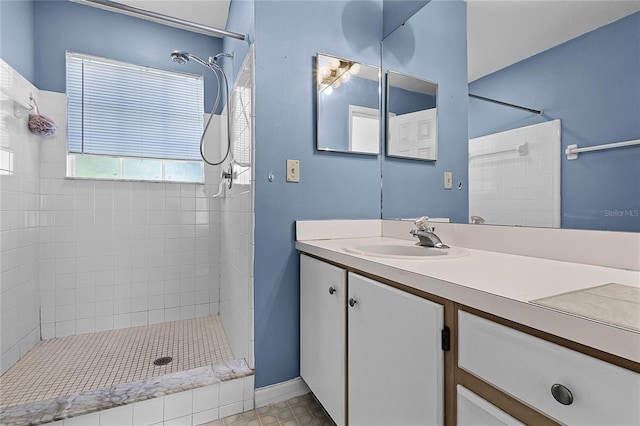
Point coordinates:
pixel 181 57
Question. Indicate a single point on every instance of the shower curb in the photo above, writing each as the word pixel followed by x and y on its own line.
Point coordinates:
pixel 64 407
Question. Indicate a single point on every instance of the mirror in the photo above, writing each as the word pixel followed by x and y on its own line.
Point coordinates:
pixel 584 81
pixel 347 103
pixel 412 127
pixel 430 47
pixel 585 86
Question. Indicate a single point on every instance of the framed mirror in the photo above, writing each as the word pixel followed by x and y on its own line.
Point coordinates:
pixel 411 112
pixel 348 106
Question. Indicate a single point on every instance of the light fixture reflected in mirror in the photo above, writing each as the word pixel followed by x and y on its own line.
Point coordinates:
pixel 348 99
pixel 335 71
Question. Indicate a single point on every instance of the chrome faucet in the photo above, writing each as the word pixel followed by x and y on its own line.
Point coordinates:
pixel 428 238
pixel 477 220
pixel 426 234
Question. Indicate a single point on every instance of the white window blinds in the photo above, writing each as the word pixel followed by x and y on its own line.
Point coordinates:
pixel 126 110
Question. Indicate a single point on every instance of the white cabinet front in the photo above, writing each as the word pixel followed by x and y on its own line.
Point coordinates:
pixel 476 411
pixel 323 333
pixel 395 359
pixel 564 384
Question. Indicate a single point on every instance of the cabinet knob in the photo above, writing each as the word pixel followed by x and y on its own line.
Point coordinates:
pixel 332 290
pixel 352 302
pixel 562 394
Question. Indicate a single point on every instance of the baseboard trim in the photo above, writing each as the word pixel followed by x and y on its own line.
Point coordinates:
pixel 281 392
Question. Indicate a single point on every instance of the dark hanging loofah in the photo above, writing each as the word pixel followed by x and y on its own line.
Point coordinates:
pixel 39 124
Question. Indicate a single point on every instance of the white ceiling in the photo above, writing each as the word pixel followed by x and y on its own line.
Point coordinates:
pixel 503 32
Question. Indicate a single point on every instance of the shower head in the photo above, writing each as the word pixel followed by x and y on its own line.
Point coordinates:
pixel 182 57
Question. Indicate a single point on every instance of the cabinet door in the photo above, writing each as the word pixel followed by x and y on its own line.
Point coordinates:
pixel 323 333
pixel 395 359
pixel 476 411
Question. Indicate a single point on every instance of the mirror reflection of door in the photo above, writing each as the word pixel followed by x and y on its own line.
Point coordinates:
pixel 411 117
pixel 364 129
pixel 413 135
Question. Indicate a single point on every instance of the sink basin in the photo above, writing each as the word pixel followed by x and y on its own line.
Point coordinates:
pixel 404 251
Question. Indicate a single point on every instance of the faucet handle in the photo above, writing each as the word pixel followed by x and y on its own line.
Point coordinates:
pixel 417 232
pixel 422 223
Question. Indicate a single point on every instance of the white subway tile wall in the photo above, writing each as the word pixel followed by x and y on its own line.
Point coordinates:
pixel 120 254
pixel 235 217
pixel 80 256
pixel 19 221
pixel 507 188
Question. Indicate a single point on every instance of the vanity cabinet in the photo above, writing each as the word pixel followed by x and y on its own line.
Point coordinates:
pixel 372 353
pixel 391 348
pixel 563 384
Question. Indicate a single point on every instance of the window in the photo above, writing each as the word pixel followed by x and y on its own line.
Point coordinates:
pixel 132 123
pixel 6 161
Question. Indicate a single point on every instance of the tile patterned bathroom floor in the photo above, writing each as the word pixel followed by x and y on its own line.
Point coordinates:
pixel 299 411
pixel 73 364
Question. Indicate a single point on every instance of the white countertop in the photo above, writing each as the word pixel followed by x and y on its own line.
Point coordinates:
pixel 500 284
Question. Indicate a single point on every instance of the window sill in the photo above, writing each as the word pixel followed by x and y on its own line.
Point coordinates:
pixel 133 180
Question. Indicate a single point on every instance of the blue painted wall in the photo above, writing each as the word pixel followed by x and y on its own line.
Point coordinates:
pixel 432 45
pixel 64 25
pixel 403 101
pixel 332 185
pixel 334 110
pixel 396 12
pixel 592 84
pixel 17 36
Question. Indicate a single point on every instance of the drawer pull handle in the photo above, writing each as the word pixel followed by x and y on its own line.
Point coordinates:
pixel 562 394
pixel 332 290
pixel 352 302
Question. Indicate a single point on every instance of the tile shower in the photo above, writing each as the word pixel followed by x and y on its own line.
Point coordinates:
pixel 84 256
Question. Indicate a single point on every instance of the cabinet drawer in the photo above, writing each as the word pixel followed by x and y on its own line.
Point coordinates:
pixel 527 367
pixel 476 411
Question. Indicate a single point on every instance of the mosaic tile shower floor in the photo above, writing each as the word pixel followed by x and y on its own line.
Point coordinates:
pixel 299 411
pixel 68 365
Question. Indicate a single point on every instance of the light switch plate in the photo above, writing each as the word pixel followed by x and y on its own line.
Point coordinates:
pixel 293 170
pixel 448 179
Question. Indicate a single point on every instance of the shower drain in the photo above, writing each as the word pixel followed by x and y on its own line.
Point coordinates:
pixel 163 360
